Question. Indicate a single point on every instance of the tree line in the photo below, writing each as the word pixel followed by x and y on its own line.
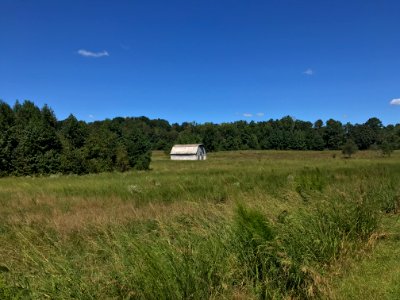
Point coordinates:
pixel 286 133
pixel 33 141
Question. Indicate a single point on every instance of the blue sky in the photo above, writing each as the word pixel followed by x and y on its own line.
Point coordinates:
pixel 203 61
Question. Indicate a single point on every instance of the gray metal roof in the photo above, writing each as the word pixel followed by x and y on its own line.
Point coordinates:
pixel 185 149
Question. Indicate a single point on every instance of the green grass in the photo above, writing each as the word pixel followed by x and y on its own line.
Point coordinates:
pixel 376 275
pixel 241 225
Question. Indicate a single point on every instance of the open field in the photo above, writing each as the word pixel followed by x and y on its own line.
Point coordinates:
pixel 241 225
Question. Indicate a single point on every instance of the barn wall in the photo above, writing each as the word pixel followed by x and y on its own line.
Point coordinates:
pixel 184 157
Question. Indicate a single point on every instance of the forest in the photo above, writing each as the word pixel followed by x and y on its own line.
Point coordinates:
pixel 33 141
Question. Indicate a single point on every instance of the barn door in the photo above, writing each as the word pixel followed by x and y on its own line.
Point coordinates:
pixel 199 154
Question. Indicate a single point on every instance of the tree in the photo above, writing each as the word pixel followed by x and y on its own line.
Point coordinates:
pixel 37 145
pixel 7 118
pixel 138 148
pixel 99 149
pixel 211 137
pixel 74 131
pixel 386 148
pixel 7 139
pixel 73 160
pixel 315 140
pixel 363 136
pixel 187 136
pixel 122 158
pixel 318 124
pixel 349 148
pixel 333 134
pixel 375 124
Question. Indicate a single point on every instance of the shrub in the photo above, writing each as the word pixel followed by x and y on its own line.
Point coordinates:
pixel 349 148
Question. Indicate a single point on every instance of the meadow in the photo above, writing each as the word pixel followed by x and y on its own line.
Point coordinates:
pixel 240 225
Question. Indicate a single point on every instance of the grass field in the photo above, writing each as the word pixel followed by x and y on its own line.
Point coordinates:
pixel 241 225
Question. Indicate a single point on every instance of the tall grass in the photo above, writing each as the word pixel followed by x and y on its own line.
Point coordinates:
pixel 286 258
pixel 192 231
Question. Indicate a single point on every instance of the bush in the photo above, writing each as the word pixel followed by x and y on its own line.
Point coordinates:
pixel 143 161
pixel 349 148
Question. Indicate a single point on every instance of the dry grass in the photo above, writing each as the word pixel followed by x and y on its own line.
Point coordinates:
pixel 114 234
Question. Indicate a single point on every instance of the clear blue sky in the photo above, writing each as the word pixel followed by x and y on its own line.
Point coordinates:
pixel 203 61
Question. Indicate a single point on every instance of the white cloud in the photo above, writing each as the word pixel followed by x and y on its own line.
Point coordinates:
pixel 395 101
pixel 86 53
pixel 260 114
pixel 247 115
pixel 309 72
pixel 91 116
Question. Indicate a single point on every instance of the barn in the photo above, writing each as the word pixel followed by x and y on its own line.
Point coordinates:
pixel 188 152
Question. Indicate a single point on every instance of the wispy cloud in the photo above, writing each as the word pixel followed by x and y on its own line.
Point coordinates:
pixel 86 53
pixel 395 101
pixel 91 117
pixel 309 72
pixel 249 115
pixel 125 47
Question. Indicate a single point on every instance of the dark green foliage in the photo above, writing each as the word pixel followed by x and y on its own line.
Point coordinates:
pixel 334 134
pixel 100 149
pixel 72 160
pixel 37 145
pixel 284 134
pixel 211 137
pixel 386 148
pixel 363 136
pixel 122 159
pixel 138 150
pixel 33 142
pixel 349 148
pixel 73 131
pixel 7 117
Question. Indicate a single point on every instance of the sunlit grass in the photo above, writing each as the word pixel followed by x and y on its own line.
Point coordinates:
pixel 175 232
pixel 377 274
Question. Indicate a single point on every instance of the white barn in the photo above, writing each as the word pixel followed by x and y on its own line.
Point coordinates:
pixel 188 152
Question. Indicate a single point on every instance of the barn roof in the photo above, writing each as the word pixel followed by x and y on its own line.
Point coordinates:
pixel 185 149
